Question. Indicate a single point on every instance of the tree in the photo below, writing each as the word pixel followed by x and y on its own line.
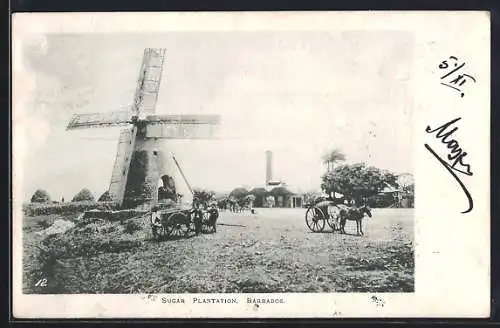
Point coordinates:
pixel 83 195
pixel 203 196
pixel 105 197
pixel 40 196
pixel 312 197
pixel 357 181
pixel 406 183
pixel 332 157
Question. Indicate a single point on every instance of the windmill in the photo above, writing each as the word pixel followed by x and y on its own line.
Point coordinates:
pixel 139 160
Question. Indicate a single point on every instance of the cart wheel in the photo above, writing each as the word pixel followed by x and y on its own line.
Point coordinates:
pixel 178 225
pixel 315 219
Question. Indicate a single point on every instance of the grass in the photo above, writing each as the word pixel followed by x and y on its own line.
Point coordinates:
pixel 271 251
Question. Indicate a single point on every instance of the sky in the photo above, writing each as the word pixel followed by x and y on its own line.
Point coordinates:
pixel 297 94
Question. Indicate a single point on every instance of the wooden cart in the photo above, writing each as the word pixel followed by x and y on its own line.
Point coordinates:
pixel 176 222
pixel 322 213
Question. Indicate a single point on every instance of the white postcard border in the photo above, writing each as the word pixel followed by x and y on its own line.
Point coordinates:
pixel 452 249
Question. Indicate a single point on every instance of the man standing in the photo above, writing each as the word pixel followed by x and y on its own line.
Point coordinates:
pixel 197 216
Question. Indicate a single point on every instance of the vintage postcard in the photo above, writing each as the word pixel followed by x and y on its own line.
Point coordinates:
pixel 251 164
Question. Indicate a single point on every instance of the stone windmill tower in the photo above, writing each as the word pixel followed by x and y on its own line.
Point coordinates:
pixel 139 161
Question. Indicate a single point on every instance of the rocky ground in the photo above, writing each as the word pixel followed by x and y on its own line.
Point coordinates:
pixel 270 251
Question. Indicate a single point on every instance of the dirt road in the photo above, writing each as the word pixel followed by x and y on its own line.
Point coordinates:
pixel 270 251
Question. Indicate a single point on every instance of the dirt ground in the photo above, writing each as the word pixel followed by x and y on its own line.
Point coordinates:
pixel 270 251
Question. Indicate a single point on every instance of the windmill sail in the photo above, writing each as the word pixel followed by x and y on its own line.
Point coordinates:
pixel 148 84
pixel 142 136
pixel 99 120
pixel 182 126
pixel 126 143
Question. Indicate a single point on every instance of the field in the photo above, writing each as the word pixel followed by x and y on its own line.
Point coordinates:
pixel 270 251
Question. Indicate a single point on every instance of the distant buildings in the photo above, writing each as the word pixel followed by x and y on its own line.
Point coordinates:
pixel 274 193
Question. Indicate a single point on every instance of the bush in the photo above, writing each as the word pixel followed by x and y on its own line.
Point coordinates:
pixel 33 209
pixel 40 196
pixel 83 195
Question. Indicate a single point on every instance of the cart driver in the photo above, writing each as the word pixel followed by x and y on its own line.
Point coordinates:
pixel 155 217
pixel 197 216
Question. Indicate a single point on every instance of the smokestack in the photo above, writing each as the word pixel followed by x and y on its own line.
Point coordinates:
pixel 269 166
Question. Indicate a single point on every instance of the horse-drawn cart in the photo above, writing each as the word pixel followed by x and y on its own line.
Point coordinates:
pixel 177 222
pixel 322 213
pixel 335 215
pixel 172 222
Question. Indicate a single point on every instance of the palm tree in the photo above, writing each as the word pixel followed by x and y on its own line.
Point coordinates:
pixel 330 159
pixel 333 157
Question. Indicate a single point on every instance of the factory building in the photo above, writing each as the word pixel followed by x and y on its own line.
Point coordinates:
pixel 275 193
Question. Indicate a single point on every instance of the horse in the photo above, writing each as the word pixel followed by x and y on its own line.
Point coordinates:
pixel 353 214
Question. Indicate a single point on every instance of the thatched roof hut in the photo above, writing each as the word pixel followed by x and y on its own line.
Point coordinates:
pixel 238 192
pixel 259 192
pixel 280 191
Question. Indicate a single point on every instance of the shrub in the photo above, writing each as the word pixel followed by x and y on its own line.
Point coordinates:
pixel 83 195
pixel 33 209
pixel 106 197
pixel 40 196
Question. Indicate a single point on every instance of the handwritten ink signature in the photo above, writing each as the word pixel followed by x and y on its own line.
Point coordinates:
pixel 454 163
pixel 453 78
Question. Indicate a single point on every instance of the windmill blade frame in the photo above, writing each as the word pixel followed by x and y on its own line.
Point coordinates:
pixel 182 126
pixel 94 120
pixel 184 119
pixel 148 84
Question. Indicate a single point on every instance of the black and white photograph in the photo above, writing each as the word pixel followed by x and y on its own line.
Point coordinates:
pixel 225 161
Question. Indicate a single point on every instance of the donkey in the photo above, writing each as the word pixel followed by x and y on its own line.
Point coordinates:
pixel 353 214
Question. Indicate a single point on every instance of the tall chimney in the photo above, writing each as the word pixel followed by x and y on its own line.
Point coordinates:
pixel 269 166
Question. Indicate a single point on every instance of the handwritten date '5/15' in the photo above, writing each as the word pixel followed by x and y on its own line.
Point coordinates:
pixel 454 161
pixel 454 77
